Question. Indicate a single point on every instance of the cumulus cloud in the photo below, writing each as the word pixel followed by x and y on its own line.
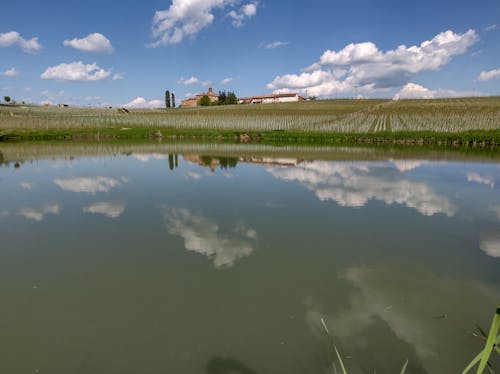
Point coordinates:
pixel 90 185
pixel 39 214
pixel 76 72
pixel 95 42
pixel 110 209
pixel 353 185
pixel 140 102
pixel 227 80
pixel 118 76
pixel 12 72
pixel 246 11
pixel 12 38
pixel 480 179
pixel 275 44
pixel 192 81
pixel 369 69
pixel 186 18
pixel 490 243
pixel 204 236
pixel 416 91
pixel 488 75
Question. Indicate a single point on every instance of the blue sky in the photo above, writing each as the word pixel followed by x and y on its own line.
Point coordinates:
pixel 109 53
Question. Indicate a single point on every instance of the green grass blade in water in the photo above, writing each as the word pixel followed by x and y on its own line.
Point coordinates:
pixel 403 370
pixel 344 371
pixel 490 343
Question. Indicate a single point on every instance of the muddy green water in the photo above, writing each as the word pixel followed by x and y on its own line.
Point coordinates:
pixel 211 260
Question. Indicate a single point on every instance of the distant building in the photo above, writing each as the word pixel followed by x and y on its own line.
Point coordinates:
pixel 193 101
pixel 271 99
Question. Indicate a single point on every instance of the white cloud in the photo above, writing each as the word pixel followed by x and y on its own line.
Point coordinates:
pixel 110 209
pixel 76 72
pixel 416 91
pixel 488 75
pixel 90 185
pixel 491 28
pixel 490 244
pixel 95 42
pixel 353 185
pixel 140 102
pixel 118 77
pixel 246 11
pixel 186 18
pixel 192 81
pixel 12 72
pixel 480 179
pixel 369 69
pixel 188 81
pixel 39 214
pixel 275 44
pixel 204 236
pixel 227 80
pixel 11 38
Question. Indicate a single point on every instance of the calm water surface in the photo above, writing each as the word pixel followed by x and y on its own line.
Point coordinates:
pixel 189 262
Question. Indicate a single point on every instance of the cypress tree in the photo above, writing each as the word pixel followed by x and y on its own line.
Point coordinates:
pixel 167 99
pixel 173 100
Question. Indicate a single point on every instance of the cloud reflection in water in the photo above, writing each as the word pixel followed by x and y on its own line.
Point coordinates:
pixel 204 236
pixel 90 185
pixel 110 209
pixel 354 184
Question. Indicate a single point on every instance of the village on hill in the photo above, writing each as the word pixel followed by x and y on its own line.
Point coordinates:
pixel 210 97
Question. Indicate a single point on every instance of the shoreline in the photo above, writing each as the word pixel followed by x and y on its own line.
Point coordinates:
pixel 465 139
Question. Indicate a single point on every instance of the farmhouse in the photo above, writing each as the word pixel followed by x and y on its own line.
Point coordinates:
pixel 271 99
pixel 193 101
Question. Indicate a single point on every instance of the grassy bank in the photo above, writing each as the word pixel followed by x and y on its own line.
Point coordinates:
pixel 459 122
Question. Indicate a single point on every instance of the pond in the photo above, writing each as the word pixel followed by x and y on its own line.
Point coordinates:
pixel 238 259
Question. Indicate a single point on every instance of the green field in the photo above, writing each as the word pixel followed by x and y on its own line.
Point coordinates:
pixel 462 119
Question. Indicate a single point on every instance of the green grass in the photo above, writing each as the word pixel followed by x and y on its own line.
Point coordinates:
pixel 492 344
pixel 471 121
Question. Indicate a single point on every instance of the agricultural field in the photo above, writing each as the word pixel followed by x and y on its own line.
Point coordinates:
pixel 336 116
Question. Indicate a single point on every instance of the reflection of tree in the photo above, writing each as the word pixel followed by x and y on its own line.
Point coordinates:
pixel 171 162
pixel 219 365
pixel 228 162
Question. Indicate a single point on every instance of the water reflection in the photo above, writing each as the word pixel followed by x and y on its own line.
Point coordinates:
pixel 481 179
pixel 34 214
pixel 354 184
pixel 90 185
pixel 490 243
pixel 227 365
pixel 418 308
pixel 203 235
pixel 408 165
pixel 110 209
pixel 39 214
pixel 26 185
